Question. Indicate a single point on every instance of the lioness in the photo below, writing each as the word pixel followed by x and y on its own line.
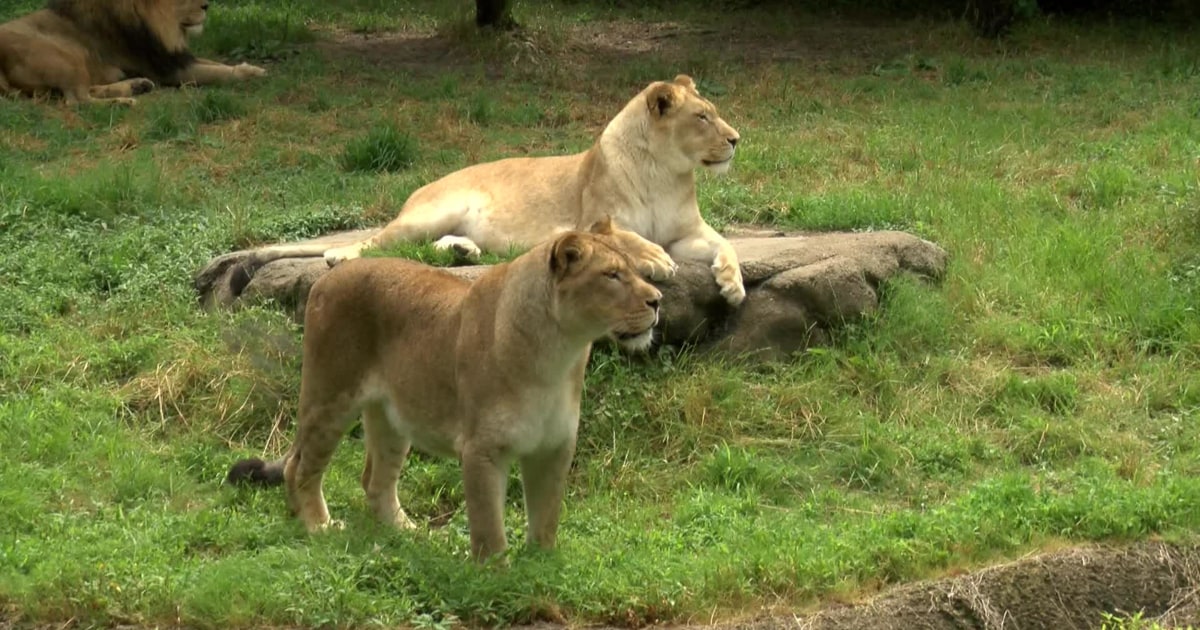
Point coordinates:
pixel 488 372
pixel 640 171
pixel 108 50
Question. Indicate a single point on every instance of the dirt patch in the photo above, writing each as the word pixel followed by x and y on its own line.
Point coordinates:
pixel 1068 589
pixel 829 42
pixel 600 44
pixel 407 50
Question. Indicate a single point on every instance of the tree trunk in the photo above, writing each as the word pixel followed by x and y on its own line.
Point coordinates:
pixel 494 13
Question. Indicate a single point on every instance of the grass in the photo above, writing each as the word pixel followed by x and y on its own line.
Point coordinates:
pixel 1132 622
pixel 425 252
pixel 1045 393
pixel 383 149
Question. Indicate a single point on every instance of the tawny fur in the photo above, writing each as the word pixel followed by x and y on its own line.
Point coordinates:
pixel 640 171
pixel 488 372
pixel 108 50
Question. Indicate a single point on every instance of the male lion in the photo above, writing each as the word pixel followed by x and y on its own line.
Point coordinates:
pixel 640 171
pixel 108 50
pixel 488 372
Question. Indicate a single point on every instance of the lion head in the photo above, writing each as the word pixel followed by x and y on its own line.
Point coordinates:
pixel 190 15
pixel 599 292
pixel 156 28
pixel 688 127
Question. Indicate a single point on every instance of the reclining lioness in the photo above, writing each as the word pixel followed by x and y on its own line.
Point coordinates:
pixel 488 372
pixel 640 171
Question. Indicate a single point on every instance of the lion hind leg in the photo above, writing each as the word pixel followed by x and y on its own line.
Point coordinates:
pixel 60 68
pixel 319 430
pixel 81 95
pixel 387 449
pixel 415 223
pixel 462 246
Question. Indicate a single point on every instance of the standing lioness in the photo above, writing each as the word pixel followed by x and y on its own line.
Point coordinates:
pixel 488 372
pixel 640 171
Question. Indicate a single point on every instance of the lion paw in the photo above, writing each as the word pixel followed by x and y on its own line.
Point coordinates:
pixel 729 278
pixel 247 71
pixel 140 86
pixel 337 255
pixel 327 525
pixel 463 247
pixel 403 522
pixel 657 265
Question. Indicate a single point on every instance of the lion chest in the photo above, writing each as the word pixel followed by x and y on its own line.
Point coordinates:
pixel 538 419
pixel 660 213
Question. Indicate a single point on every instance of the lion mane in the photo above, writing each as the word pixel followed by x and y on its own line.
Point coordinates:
pixel 144 31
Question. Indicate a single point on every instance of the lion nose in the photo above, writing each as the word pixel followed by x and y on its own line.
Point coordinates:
pixel 653 304
pixel 733 141
pixel 204 7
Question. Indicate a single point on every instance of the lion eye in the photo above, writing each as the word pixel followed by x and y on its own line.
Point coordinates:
pixel 612 275
pixel 703 117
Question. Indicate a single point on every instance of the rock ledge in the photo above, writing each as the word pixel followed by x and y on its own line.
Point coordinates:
pixel 798 288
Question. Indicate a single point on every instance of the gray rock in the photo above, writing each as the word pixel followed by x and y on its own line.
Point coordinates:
pixel 798 288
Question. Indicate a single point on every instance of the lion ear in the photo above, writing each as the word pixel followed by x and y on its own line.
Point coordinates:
pixel 685 82
pixel 661 97
pixel 603 226
pixel 567 250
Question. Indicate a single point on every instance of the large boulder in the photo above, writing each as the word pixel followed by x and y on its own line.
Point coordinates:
pixel 797 287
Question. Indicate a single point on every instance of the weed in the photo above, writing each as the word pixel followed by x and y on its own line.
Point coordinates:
pixel 481 109
pixel 735 469
pixel 383 149
pixel 959 71
pixel 215 106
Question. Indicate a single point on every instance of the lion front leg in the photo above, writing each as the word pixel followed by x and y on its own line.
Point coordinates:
pixel 544 478
pixel 712 248
pixel 485 476
pixel 319 429
pixel 207 72
pixel 121 89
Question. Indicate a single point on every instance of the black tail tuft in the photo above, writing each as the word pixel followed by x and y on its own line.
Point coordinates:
pixel 254 471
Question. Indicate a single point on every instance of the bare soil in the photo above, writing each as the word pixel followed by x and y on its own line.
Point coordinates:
pixel 829 44
pixel 1061 590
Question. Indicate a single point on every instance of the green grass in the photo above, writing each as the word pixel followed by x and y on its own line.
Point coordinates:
pixel 425 252
pixel 1046 392
pixel 1133 622
pixel 383 149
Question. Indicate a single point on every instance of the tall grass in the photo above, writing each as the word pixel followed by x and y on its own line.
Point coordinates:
pixel 383 149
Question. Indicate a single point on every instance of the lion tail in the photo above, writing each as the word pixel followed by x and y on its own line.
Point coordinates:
pixel 254 471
